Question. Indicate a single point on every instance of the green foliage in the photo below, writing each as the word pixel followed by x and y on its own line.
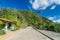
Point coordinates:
pixel 14 28
pixel 1 25
pixel 1 22
pixel 2 32
pixel 28 17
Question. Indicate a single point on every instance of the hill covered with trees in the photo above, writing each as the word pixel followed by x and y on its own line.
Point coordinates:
pixel 24 18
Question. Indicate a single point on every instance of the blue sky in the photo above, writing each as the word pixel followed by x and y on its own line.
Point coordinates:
pixel 47 8
pixel 18 4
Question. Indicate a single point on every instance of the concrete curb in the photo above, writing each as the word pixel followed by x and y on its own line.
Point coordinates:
pixel 43 33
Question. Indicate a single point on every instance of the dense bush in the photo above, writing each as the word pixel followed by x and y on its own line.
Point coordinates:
pixel 1 25
pixel 14 28
pixel 2 32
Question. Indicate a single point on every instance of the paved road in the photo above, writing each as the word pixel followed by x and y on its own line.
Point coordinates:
pixel 27 34
pixel 54 35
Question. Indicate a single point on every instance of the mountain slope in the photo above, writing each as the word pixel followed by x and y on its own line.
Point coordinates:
pixel 28 18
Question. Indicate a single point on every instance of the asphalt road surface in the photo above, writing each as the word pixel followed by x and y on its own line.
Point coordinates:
pixel 27 34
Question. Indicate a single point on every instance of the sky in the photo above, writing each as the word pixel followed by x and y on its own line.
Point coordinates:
pixel 47 8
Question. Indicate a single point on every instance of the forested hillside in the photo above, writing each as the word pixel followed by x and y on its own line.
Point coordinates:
pixel 28 18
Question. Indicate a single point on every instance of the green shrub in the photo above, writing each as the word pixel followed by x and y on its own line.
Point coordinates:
pixel 2 32
pixel 1 22
pixel 1 25
pixel 57 28
pixel 14 28
pixel 17 23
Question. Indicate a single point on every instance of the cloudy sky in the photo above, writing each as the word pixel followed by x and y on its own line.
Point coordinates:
pixel 47 8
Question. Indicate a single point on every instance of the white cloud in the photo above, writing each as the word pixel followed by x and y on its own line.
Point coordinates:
pixel 31 1
pixel 54 19
pixel 58 21
pixel 51 18
pixel 43 4
pixel 39 4
pixel 53 7
pixel 35 4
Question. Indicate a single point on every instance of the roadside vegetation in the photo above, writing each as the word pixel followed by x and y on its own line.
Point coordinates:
pixel 1 28
pixel 24 18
